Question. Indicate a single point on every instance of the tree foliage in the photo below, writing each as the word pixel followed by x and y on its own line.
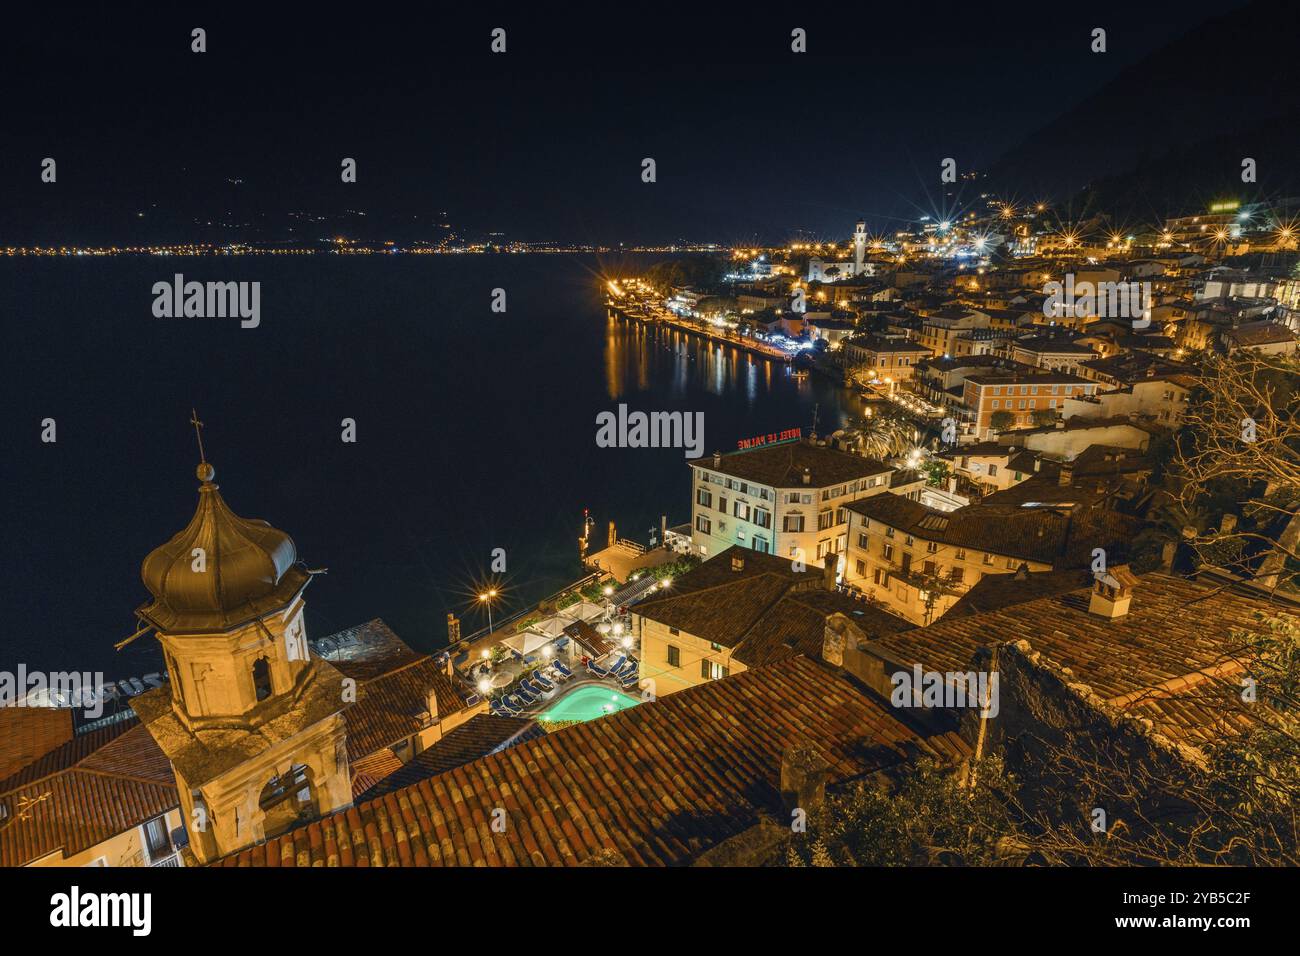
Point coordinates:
pixel 929 816
pixel 1234 469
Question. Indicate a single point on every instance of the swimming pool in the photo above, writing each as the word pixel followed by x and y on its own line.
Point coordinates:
pixel 587 703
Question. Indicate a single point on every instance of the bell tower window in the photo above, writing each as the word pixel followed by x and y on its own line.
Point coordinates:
pixel 262 678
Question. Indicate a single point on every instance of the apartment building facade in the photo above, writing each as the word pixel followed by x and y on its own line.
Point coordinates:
pixel 785 499
pixel 888 361
pixel 917 562
pixel 1021 396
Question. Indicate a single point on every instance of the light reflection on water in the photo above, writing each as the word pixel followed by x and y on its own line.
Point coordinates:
pixel 655 367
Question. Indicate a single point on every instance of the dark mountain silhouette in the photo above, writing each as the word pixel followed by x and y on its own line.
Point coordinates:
pixel 1170 132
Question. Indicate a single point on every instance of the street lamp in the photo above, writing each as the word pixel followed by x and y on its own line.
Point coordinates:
pixel 487 598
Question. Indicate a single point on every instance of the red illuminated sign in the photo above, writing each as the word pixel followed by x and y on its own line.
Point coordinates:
pixel 771 438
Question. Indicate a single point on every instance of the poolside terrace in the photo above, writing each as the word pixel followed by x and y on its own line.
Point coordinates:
pixel 522 672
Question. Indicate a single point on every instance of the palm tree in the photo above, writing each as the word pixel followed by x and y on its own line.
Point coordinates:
pixel 884 436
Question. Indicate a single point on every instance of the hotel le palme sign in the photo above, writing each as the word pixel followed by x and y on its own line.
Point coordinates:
pixel 771 438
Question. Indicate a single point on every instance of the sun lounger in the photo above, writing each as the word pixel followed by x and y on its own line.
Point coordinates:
pixel 552 675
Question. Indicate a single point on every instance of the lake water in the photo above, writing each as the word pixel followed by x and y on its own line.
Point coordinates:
pixel 474 430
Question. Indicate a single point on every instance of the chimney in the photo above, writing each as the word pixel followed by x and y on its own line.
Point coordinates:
pixel 1112 592
pixel 807 477
pixel 1067 474
pixel 431 700
pixel 830 564
pixel 1038 464
pixel 738 561
pixel 717 459
pixel 803 777
pixel 453 630
pixel 1228 523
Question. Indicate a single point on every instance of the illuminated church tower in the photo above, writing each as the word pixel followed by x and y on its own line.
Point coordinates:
pixel 859 247
pixel 253 725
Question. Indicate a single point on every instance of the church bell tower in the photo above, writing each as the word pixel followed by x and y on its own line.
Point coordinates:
pixel 252 724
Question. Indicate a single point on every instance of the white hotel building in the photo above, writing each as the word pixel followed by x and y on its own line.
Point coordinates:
pixel 785 499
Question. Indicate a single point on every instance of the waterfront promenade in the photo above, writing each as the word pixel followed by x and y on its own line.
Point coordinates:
pixel 656 315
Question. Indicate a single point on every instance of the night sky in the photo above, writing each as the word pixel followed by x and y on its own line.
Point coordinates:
pixel 545 142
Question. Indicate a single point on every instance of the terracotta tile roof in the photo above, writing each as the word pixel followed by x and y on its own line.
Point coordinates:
pixel 368 771
pixel 1134 366
pixel 721 569
pixel 1174 627
pixel 1110 460
pixel 658 783
pixel 67 754
pixel 870 343
pixel 797 625
pixel 1207 714
pixel 27 733
pixel 392 685
pixel 1035 534
pixel 723 613
pixel 782 466
pixel 479 736
pixel 389 706
pixel 996 591
pixel 83 797
pixel 1260 333
pixel 1089 492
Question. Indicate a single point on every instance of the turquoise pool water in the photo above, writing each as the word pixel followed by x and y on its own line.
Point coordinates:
pixel 588 703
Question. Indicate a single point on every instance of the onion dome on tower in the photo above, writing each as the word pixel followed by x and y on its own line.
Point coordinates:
pixel 221 571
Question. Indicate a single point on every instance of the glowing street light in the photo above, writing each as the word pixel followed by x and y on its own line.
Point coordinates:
pixel 487 597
